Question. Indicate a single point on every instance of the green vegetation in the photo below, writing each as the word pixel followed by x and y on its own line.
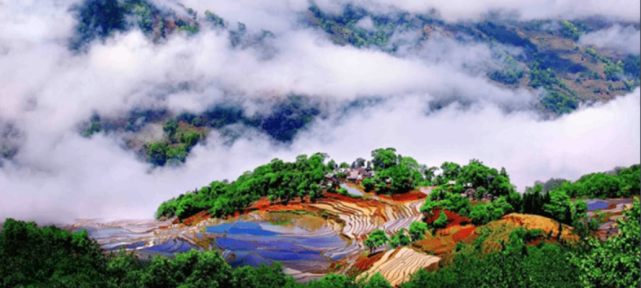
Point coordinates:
pixel 614 70
pixel 174 151
pixel 278 180
pixel 48 257
pixel 376 239
pixel 441 221
pixel 488 183
pixel 615 262
pixel 32 256
pixel 517 265
pixel 510 75
pixel 417 230
pixel 622 183
pixel 99 19
pixel 94 127
pixel 543 265
pixel 402 173
pixel 142 11
pixel 555 203
pixel 214 19
pixel 559 103
pixel 342 27
pixel 189 28
pixel 368 184
pixel 570 31
pixel 632 66
pixel 507 76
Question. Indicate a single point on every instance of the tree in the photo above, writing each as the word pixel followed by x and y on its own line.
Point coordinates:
pixel 360 162
pixel 377 281
pixel 450 170
pixel 368 184
pixel 403 239
pixel 615 262
pixel 559 206
pixel 344 165
pixel 441 221
pixel 581 208
pixel 332 281
pixel 170 128
pixel 331 165
pixel 502 204
pixel 381 188
pixel 402 178
pixel 480 214
pixel 394 241
pixel 158 153
pixel 384 158
pixel 31 256
pixel 417 230
pixel 479 193
pixel 533 200
pixel 428 206
pixel 376 239
pixel 430 173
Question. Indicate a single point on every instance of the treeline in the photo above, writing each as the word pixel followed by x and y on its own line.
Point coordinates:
pixel 277 180
pixel 623 182
pixel 31 256
pixel 305 179
pixel 555 204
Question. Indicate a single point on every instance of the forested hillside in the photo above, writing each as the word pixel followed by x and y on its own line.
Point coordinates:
pixel 544 56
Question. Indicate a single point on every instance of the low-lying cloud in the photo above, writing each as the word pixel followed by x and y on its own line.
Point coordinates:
pixel 75 177
pixel 462 10
pixel 624 39
pixel 59 176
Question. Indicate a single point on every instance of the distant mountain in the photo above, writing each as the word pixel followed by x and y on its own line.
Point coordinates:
pixel 547 56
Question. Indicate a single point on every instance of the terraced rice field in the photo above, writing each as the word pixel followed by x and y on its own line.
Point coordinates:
pixel 361 218
pixel 397 265
pixel 305 244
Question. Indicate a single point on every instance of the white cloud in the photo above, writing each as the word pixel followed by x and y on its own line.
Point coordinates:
pixel 366 23
pixel 622 39
pixel 59 176
pixel 457 10
pixel 589 140
pixel 74 177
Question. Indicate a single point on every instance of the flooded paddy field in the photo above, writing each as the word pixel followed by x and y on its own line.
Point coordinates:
pixel 305 237
pixel 301 242
pixel 609 210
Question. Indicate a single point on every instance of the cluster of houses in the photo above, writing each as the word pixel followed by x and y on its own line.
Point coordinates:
pixel 358 174
pixel 354 175
pixel 468 193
